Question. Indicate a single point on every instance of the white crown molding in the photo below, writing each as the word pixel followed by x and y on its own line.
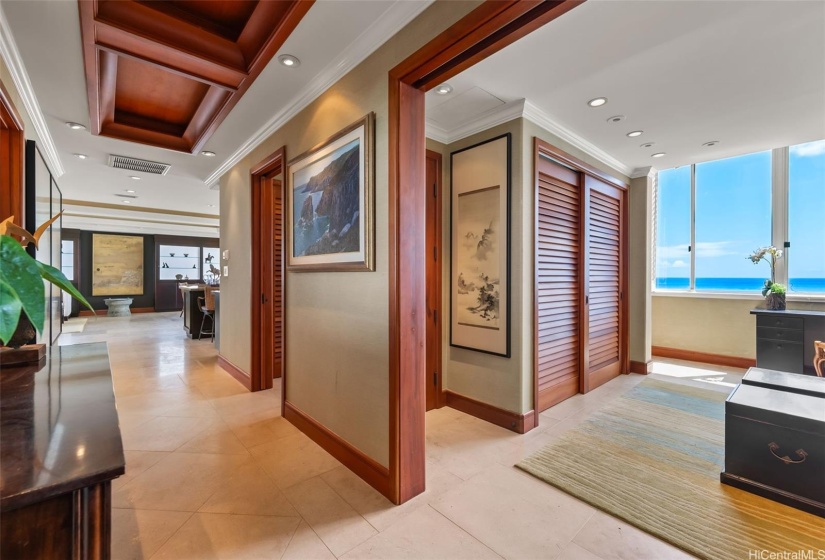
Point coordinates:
pixel 522 108
pixel 643 172
pixel 14 62
pixel 435 132
pixel 538 116
pixel 478 123
pixel 395 18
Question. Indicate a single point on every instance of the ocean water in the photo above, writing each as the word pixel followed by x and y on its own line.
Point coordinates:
pixel 800 285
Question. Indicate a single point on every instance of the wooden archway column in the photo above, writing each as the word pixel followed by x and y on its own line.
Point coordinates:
pixel 484 31
pixel 12 142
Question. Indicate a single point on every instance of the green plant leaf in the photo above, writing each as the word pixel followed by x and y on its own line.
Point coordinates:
pixel 10 308
pixel 57 278
pixel 19 272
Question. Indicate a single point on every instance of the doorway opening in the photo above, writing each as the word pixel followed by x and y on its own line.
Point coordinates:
pixel 484 31
pixel 268 275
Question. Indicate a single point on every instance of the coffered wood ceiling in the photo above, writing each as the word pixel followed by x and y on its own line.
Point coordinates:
pixel 166 73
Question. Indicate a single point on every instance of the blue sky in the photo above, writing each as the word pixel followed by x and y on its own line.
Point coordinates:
pixel 733 216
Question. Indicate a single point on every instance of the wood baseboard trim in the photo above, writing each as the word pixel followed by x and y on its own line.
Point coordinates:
pixel 640 367
pixel 373 473
pixel 703 357
pixel 519 423
pixel 102 312
pixel 240 375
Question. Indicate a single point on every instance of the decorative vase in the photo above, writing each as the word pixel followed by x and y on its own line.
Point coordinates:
pixel 775 302
pixel 24 334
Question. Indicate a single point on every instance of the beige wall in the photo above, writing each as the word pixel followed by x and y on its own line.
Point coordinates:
pixel 495 380
pixel 640 239
pixel 503 382
pixel 717 326
pixel 337 323
pixel 712 325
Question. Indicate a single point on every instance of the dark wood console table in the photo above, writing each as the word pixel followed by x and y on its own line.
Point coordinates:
pixel 785 339
pixel 60 450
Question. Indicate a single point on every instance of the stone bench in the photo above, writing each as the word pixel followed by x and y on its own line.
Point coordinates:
pixel 118 307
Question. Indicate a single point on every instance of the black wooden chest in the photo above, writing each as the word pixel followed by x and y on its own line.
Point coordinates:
pixel 775 446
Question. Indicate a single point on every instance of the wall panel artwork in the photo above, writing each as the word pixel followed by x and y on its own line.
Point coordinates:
pixel 329 203
pixel 480 267
pixel 117 265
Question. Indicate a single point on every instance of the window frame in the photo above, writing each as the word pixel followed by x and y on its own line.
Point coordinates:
pixel 780 193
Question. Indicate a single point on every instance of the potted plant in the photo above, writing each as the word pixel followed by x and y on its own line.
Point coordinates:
pixel 773 293
pixel 22 293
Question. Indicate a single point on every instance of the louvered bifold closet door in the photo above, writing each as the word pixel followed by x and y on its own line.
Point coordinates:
pixel 603 270
pixel 277 277
pixel 558 283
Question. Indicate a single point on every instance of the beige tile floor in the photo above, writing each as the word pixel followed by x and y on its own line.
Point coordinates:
pixel 213 471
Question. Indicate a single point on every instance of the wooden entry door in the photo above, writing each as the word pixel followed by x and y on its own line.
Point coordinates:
pixel 580 324
pixel 559 294
pixel 434 275
pixel 268 279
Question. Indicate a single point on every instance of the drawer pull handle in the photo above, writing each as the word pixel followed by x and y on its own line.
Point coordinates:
pixel 774 447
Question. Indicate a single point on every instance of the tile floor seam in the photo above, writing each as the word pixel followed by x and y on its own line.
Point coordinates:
pixel 350 504
pixel 185 521
pixel 465 531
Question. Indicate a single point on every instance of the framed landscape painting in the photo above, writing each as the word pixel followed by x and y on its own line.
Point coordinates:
pixel 480 264
pixel 117 265
pixel 330 222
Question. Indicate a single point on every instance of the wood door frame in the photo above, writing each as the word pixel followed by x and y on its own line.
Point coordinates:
pixel 542 148
pixel 438 321
pixel 260 377
pixel 12 153
pixel 486 30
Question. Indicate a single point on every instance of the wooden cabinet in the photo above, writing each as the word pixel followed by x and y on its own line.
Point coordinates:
pixel 580 276
pixel 785 339
pixel 60 450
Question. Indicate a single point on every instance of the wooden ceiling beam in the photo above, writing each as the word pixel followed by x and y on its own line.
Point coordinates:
pixel 173 49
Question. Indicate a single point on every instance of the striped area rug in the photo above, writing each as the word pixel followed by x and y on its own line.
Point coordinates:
pixel 653 460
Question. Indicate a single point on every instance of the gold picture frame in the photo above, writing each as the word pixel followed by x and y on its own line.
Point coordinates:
pixel 329 207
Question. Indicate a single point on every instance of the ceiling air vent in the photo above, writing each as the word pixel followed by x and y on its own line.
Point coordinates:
pixel 142 165
pixel 124 195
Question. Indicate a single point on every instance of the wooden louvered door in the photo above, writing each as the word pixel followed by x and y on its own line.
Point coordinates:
pixel 559 295
pixel 277 308
pixel 604 353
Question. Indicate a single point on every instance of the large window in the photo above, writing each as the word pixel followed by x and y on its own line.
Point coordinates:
pixel 711 216
pixel 673 229
pixel 806 218
pixel 733 217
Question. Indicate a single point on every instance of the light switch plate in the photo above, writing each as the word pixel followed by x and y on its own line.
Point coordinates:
pixel 226 255
pixel 225 272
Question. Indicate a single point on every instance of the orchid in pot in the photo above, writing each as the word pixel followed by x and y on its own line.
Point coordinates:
pixel 22 292
pixel 773 293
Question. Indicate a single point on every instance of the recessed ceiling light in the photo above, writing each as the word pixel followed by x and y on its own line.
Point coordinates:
pixel 635 133
pixel 207 153
pixel 130 190
pixel 75 126
pixel 127 202
pixel 659 154
pixel 211 205
pixel 647 145
pixel 616 118
pixel 597 102
pixel 81 156
pixel 289 60
pixel 134 177
pixel 711 143
pixel 444 89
